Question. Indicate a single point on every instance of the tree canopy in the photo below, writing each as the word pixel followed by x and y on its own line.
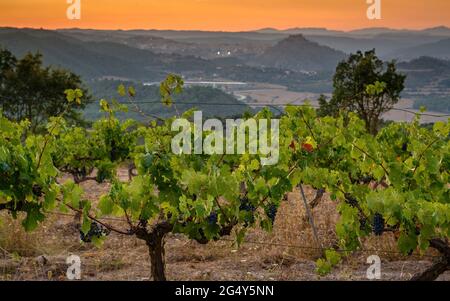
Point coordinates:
pixel 29 90
pixel 366 85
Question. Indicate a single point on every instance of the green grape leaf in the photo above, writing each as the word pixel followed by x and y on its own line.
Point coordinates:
pixel 121 90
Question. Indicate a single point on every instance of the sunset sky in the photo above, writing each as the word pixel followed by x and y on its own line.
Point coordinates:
pixel 226 15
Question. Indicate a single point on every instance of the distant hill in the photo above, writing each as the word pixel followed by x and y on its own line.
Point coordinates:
pixel 212 102
pixel 425 71
pixel 251 43
pixel 141 41
pixel 302 30
pixel 427 81
pixel 299 54
pixel 89 59
pixel 102 58
pixel 372 31
pixel 440 30
pixel 389 43
pixel 426 63
pixel 439 49
pixel 302 59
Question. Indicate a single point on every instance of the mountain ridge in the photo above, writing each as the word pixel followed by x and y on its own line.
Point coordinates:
pixel 300 54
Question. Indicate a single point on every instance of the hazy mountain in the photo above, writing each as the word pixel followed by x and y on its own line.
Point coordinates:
pixel 385 44
pixel 303 31
pixel 143 41
pixel 268 30
pixel 426 72
pixel 351 45
pixel 210 44
pixel 425 63
pixel 439 49
pixel 440 31
pixel 99 59
pixel 65 52
pixel 428 83
pixel 197 43
pixel 313 31
pixel 299 54
pixel 105 59
pixel 178 35
pixel 373 31
pixel 386 41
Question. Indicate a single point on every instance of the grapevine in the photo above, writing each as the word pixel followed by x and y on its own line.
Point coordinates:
pixel 397 180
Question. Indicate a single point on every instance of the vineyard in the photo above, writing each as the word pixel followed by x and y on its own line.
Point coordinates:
pixel 336 182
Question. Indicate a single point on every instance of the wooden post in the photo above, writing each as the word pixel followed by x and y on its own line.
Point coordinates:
pixel 311 218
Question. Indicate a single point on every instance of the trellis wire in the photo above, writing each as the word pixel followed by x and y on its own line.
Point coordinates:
pixel 279 244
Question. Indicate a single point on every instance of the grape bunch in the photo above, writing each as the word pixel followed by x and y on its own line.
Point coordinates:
pixel 271 212
pixel 378 224
pixel 246 205
pixel 405 147
pixel 37 190
pixel 212 219
pixel 367 179
pixel 249 210
pixel 96 231
pixel 351 200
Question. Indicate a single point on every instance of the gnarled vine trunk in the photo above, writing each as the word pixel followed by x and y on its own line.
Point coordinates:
pixel 154 240
pixel 433 272
pixel 438 268
pixel 157 258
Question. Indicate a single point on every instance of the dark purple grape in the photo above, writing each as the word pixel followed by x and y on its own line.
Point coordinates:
pixel 37 190
pixel 378 224
pixel 271 212
pixel 367 179
pixel 96 231
pixel 249 210
pixel 405 147
pixel 212 219
pixel 246 205
pixel 351 200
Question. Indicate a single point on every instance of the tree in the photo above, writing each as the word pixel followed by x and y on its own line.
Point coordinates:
pixel 366 85
pixel 28 90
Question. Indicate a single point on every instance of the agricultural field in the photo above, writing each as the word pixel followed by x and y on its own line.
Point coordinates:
pixel 287 253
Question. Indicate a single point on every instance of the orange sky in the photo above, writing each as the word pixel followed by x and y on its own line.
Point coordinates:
pixel 226 15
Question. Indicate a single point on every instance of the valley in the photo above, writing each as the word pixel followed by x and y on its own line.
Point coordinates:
pixel 266 66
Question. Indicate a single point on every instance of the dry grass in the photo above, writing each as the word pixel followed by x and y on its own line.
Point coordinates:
pixel 292 226
pixel 16 241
